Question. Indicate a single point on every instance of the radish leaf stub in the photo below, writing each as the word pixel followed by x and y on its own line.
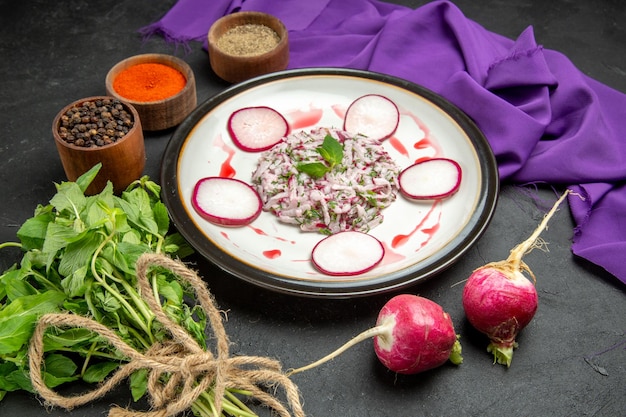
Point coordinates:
pixel 226 201
pixel 499 303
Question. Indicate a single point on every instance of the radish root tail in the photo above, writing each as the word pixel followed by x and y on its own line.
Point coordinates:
pixel 367 334
pixel 515 257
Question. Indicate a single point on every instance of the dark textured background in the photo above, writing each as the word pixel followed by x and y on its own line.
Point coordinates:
pixel 54 52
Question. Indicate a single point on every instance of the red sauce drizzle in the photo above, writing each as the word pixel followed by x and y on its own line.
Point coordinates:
pixel 262 233
pixel 391 256
pixel 301 118
pixel 339 110
pixel 401 239
pixel 430 232
pixel 272 254
pixel 398 146
pixel 427 141
pixel 226 170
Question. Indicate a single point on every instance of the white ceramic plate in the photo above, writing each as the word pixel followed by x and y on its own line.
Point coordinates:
pixel 420 238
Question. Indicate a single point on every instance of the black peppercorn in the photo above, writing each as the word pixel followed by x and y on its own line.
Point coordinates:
pixel 95 123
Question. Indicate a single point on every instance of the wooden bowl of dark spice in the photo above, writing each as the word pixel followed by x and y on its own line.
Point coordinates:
pixel 161 87
pixel 243 45
pixel 100 129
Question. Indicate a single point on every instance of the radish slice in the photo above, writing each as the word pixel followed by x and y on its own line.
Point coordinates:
pixel 433 178
pixel 347 253
pixel 226 201
pixel 372 115
pixel 256 129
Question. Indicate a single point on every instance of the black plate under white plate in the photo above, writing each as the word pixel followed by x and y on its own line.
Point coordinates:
pixel 421 238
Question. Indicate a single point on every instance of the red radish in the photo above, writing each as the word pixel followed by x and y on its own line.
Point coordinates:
pixel 226 201
pixel 256 129
pixel 412 334
pixel 347 253
pixel 500 301
pixel 430 179
pixel 372 115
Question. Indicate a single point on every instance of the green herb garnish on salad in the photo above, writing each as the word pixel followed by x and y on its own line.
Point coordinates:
pixel 332 153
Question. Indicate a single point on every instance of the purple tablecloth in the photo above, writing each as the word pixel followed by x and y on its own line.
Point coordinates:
pixel 545 120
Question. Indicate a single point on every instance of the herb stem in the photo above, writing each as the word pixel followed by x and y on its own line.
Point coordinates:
pixel 10 245
pixel 94 353
pixel 131 311
pixel 90 304
pixel 242 408
pixel 88 355
pixel 139 302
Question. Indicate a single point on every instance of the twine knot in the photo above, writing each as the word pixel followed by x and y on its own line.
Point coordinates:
pixel 179 369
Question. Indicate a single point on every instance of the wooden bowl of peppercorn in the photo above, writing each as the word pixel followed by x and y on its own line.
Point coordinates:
pixel 100 129
pixel 161 87
pixel 244 45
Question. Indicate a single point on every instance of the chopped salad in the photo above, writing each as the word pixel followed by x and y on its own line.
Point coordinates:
pixel 347 195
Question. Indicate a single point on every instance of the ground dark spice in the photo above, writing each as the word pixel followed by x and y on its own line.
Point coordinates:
pixel 248 40
pixel 95 123
pixel 150 81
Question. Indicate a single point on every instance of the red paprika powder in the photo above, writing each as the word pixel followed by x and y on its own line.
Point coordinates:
pixel 149 82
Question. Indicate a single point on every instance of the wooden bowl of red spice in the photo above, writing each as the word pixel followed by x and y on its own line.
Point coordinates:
pixel 162 88
pixel 100 129
pixel 243 45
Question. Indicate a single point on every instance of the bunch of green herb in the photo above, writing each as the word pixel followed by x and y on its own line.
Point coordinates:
pixel 79 255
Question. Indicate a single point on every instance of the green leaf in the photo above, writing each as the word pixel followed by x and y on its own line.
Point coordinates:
pixel 77 306
pixel 19 379
pixel 331 150
pixel 176 244
pixel 58 236
pixel 59 365
pixel 74 284
pixel 172 291
pixel 7 377
pixel 69 197
pixel 87 178
pixel 139 383
pixel 313 169
pixel 132 252
pixel 6 381
pixel 18 318
pixel 65 338
pixel 97 211
pixel 136 203
pixel 162 218
pixel 16 287
pixel 54 381
pixel 79 252
pixel 108 302
pixel 99 371
pixel 32 233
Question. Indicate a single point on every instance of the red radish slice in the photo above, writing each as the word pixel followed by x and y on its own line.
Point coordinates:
pixel 372 115
pixel 433 178
pixel 226 201
pixel 347 253
pixel 256 129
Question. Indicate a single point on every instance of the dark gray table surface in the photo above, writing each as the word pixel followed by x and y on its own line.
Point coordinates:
pixel 56 52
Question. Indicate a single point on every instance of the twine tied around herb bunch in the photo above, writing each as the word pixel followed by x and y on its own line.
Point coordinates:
pixel 190 369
